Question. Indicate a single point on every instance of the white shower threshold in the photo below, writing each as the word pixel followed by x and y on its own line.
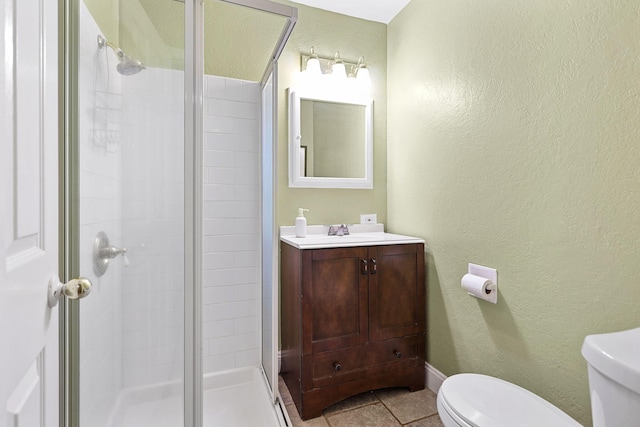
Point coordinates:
pixel 234 398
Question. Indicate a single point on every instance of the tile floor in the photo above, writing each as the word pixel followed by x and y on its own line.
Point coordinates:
pixel 392 407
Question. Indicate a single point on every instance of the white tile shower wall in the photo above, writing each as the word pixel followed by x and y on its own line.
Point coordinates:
pixel 100 107
pixel 231 260
pixel 153 229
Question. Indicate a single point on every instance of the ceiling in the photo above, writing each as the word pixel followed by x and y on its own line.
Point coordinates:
pixel 373 10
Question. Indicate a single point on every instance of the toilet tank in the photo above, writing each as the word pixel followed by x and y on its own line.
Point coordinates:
pixel 614 377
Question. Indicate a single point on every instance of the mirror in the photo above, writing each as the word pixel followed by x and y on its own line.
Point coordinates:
pixel 330 140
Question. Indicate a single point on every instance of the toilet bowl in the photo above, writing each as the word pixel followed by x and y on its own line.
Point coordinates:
pixel 475 400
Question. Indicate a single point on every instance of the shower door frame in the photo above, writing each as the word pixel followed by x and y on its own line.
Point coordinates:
pixel 194 110
pixel 193 203
pixel 271 73
pixel 269 190
pixel 69 312
pixel 193 134
pixel 291 14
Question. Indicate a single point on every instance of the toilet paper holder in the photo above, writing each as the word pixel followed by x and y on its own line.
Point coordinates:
pixel 481 282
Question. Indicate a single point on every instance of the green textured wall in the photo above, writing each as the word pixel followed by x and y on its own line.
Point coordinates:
pixel 106 13
pixel 353 37
pixel 153 32
pixel 513 143
pixel 149 30
pixel 238 40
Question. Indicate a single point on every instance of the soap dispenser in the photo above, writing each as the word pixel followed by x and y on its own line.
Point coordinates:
pixel 301 223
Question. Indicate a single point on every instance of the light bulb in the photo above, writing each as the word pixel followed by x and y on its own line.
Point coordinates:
pixel 313 64
pixel 338 69
pixel 363 79
pixel 363 76
pixel 313 67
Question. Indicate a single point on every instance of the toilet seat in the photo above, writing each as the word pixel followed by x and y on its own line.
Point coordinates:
pixel 475 400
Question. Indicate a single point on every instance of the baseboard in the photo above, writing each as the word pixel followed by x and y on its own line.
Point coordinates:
pixel 434 377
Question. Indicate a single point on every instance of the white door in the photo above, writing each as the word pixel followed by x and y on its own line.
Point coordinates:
pixel 28 212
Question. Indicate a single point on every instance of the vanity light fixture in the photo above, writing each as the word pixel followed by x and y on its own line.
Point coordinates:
pixel 319 71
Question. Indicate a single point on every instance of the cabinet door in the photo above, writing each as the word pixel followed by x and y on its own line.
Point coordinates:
pixel 334 298
pixel 397 291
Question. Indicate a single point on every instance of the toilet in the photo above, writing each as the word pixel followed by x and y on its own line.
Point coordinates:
pixel 614 377
pixel 475 400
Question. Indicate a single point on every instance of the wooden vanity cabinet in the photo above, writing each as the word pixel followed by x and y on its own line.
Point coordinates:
pixel 352 320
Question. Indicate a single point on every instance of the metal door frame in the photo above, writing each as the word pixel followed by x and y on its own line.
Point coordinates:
pixel 69 19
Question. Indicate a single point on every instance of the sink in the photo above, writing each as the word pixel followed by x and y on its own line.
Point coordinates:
pixel 315 241
pixel 348 238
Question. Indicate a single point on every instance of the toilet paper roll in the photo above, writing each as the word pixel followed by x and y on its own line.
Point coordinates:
pixel 480 287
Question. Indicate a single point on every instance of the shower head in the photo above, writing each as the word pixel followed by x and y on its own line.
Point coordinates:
pixel 127 65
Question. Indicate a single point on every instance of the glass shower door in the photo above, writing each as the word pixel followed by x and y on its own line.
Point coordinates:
pixel 133 213
pixel 125 212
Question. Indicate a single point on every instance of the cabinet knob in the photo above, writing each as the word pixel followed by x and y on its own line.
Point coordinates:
pixel 374 266
pixel 337 366
pixel 397 353
pixel 365 266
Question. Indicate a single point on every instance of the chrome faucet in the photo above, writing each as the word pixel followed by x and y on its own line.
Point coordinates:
pixel 338 230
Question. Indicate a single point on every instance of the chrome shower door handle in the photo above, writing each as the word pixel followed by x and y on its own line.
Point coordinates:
pixel 73 289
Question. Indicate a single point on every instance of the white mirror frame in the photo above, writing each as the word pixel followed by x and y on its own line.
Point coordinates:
pixel 295 178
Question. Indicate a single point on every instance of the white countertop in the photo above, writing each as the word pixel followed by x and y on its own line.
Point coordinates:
pixel 359 235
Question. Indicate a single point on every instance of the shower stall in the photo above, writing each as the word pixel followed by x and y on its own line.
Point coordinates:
pixel 169 129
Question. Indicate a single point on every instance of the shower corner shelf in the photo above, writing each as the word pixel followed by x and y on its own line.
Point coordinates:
pixel 109 139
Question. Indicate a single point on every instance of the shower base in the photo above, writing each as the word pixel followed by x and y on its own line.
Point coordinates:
pixel 236 398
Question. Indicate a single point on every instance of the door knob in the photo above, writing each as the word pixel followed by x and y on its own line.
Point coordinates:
pixel 73 289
